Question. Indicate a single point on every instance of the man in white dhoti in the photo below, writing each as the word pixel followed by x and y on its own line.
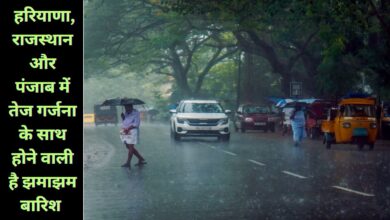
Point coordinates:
pixel 129 134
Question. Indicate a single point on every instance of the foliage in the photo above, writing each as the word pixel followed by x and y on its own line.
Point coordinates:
pixel 194 43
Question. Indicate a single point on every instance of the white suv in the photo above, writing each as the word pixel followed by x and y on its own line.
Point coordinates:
pixel 200 118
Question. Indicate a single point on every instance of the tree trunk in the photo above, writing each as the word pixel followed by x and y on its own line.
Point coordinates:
pixel 285 84
pixel 247 77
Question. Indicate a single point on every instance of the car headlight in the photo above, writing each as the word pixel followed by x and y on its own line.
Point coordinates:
pixel 373 125
pixel 180 120
pixel 248 119
pixel 346 125
pixel 223 121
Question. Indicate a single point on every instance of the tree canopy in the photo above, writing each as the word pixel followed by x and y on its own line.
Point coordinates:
pixel 197 44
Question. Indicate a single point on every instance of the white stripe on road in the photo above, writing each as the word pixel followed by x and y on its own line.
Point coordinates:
pixel 294 174
pixel 207 145
pixel 353 191
pixel 258 163
pixel 228 152
pixel 212 146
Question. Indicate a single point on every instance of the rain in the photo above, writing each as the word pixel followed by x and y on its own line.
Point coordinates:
pixel 248 109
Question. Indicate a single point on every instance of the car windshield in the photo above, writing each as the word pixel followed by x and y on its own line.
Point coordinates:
pixel 256 109
pixel 359 111
pixel 202 108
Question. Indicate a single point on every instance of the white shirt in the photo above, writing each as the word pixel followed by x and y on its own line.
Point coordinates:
pixel 131 119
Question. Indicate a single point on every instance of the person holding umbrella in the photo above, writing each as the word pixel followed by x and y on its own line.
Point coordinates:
pixel 298 123
pixel 129 133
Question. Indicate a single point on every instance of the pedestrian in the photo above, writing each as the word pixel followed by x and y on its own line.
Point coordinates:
pixel 298 125
pixel 286 119
pixel 129 134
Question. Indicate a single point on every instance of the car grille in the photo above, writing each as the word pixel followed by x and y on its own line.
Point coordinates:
pixel 202 132
pixel 203 122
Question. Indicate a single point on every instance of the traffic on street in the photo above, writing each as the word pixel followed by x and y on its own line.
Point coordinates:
pixel 255 175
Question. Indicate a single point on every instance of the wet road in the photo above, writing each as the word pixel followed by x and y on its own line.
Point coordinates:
pixel 254 176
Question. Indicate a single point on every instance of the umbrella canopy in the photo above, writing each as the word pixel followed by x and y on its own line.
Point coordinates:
pixel 296 103
pixel 123 101
pixel 283 102
pixel 308 101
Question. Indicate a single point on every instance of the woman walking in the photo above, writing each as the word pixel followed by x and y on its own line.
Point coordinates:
pixel 298 125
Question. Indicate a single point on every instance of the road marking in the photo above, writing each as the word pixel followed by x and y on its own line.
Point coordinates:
pixel 210 146
pixel 294 174
pixel 207 145
pixel 228 152
pixel 353 191
pixel 256 162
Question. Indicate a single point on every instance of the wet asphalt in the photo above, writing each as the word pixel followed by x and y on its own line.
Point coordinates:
pixel 255 175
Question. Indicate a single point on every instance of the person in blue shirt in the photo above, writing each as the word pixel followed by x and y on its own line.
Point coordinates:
pixel 298 123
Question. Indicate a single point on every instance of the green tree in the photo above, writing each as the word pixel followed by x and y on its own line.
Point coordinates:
pixel 150 40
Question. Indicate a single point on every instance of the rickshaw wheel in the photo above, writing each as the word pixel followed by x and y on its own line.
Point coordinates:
pixel 371 146
pixel 360 142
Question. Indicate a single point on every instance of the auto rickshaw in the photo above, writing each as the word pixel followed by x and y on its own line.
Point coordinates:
pixel 315 113
pixel 353 121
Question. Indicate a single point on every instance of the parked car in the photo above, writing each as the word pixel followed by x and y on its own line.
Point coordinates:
pixel 105 115
pixel 200 118
pixel 255 117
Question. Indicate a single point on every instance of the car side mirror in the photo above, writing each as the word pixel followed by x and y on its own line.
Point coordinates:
pixel 172 111
pixel 228 111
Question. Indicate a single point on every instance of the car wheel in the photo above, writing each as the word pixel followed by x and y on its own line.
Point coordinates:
pixel 176 136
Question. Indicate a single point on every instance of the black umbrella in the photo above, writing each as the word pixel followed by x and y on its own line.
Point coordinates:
pixel 123 101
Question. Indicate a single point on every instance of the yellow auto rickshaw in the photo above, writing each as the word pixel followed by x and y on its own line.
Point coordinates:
pixel 353 121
